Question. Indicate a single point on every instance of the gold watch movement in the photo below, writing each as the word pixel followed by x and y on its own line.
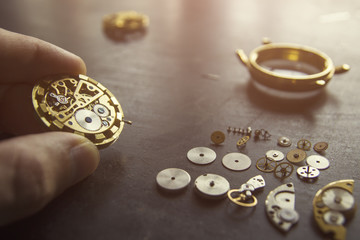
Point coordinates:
pixel 80 105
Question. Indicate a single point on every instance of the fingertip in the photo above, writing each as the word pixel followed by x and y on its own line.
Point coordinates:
pixel 85 158
pixel 34 169
pixel 73 63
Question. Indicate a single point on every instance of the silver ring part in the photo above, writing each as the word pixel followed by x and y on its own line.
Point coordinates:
pixel 275 155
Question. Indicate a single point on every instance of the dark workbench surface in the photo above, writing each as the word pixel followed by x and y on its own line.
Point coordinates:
pixel 180 82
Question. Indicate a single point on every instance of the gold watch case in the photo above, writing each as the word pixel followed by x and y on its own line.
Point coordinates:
pixel 80 105
pixel 290 67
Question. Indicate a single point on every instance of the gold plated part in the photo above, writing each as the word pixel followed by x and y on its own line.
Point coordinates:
pixel 304 144
pixel 283 170
pixel 80 105
pixel 333 205
pixel 271 64
pixel 217 137
pixel 296 155
pixel 243 196
pixel 320 146
pixel 242 199
pixel 242 141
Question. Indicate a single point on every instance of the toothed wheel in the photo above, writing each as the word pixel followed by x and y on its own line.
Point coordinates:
pixel 283 170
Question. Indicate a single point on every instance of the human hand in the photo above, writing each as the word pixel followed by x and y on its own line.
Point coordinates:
pixel 35 168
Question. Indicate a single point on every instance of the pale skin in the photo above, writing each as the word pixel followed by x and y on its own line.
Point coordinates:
pixel 36 165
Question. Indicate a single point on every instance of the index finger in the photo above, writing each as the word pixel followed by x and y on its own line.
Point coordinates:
pixel 25 59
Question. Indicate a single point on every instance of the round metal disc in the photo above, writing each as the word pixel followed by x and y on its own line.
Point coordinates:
pixel 334 218
pixel 321 146
pixel 284 141
pixel 338 199
pixel 217 137
pixel 88 120
pixel 318 162
pixel 308 172
pixel 173 179
pixel 275 155
pixel 101 110
pixel 212 185
pixel 236 161
pixel 201 155
pixel 296 155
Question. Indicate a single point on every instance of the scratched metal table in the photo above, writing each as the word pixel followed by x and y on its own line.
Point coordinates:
pixel 180 82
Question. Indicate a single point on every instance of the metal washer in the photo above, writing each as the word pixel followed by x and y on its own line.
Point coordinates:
pixel 318 162
pixel 212 185
pixel 236 161
pixel 296 155
pixel 284 141
pixel 217 137
pixel 173 179
pixel 201 155
pixel 320 146
pixel 275 155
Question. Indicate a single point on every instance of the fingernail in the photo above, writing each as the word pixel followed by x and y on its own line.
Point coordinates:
pixel 85 158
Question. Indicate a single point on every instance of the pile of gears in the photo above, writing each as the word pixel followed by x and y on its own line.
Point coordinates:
pixel 332 205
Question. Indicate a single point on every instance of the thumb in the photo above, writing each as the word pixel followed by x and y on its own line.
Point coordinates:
pixel 34 169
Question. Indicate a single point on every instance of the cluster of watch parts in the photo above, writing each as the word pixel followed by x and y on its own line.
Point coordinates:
pixel 290 67
pixel 332 204
pixel 80 105
pixel 272 161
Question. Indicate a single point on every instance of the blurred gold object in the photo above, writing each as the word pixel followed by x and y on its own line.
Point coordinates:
pixel 242 141
pixel 217 137
pixel 303 68
pixel 128 21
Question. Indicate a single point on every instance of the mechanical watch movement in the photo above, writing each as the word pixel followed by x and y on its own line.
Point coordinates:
pixel 80 105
